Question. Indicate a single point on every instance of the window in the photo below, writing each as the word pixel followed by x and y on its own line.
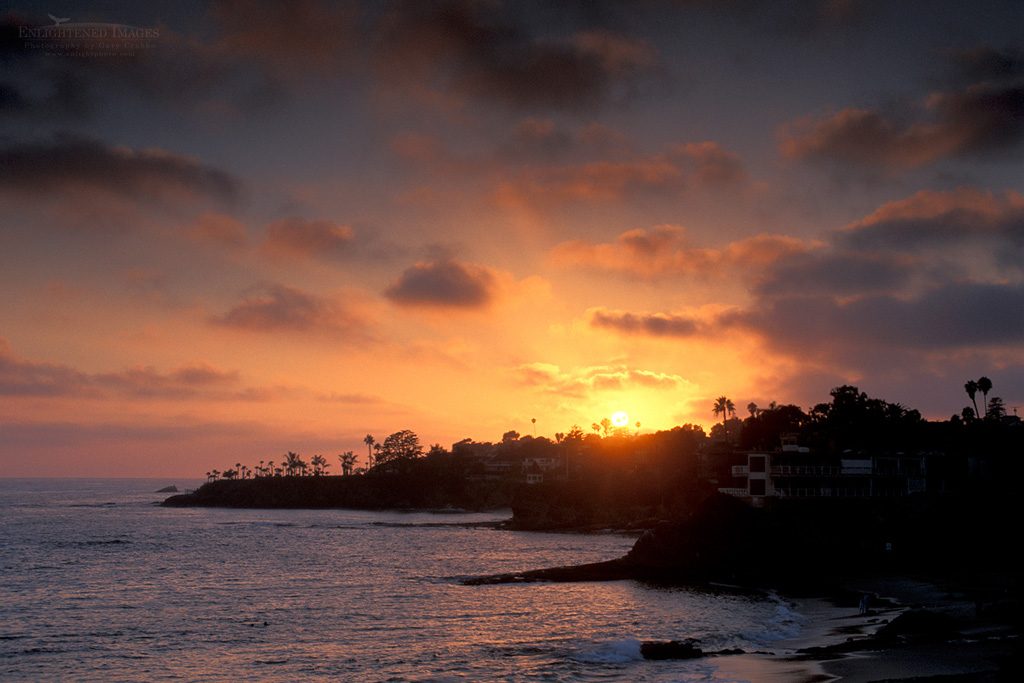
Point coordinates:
pixel 757 463
pixel 757 487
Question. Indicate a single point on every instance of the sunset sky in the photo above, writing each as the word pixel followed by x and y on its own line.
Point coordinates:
pixel 282 226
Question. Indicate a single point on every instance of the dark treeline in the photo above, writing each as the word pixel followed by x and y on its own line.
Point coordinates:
pixel 616 478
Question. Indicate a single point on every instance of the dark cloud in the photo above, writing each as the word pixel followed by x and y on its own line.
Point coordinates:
pixel 273 307
pixel 982 64
pixel 290 39
pixel 176 71
pixel 482 50
pixel 305 238
pixel 949 316
pixel 445 283
pixel 73 163
pixel 984 117
pixel 835 273
pixel 651 324
pixel 945 221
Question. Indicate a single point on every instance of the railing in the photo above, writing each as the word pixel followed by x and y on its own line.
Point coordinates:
pixel 740 471
pixel 733 491
pixel 803 470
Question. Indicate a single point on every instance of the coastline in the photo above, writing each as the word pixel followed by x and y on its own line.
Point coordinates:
pixel 839 644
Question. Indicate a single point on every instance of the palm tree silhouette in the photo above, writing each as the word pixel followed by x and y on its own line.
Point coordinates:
pixel 971 387
pixel 347 461
pixel 724 407
pixel 369 441
pixel 984 386
pixel 752 409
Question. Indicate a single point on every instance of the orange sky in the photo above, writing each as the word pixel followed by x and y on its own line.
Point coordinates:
pixel 282 227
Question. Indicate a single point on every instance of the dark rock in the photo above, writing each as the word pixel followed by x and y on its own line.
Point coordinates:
pixel 612 570
pixel 919 625
pixel 168 489
pixel 671 649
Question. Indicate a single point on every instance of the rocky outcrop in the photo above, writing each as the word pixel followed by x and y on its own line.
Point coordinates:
pixel 680 649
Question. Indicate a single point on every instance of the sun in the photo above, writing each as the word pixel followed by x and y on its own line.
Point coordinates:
pixel 620 419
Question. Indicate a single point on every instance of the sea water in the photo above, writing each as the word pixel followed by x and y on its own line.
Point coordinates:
pixel 99 583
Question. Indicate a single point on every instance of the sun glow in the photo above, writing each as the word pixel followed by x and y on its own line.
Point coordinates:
pixel 620 419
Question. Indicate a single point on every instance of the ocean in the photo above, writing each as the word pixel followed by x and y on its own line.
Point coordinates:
pixel 99 583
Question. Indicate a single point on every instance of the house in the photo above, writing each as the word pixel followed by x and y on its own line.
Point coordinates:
pixel 793 471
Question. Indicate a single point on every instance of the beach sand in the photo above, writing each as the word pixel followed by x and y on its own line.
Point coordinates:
pixel 984 651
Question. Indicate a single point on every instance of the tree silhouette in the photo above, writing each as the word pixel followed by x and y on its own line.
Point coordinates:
pixel 984 386
pixel 606 425
pixel 724 407
pixel 294 464
pixel 971 387
pixel 752 409
pixel 319 464
pixel 400 446
pixel 996 409
pixel 347 460
pixel 369 441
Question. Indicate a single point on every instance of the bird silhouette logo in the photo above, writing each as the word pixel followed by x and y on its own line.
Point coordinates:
pixel 57 21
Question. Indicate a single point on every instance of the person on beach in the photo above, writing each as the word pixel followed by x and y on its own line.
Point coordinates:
pixel 864 598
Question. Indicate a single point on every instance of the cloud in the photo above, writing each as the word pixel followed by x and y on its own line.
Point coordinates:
pixel 445 283
pixel 582 382
pixel 982 119
pixel 836 273
pixel 306 238
pixel 663 251
pixel 20 377
pixel 948 316
pixel 289 39
pixel 649 324
pixel 218 229
pixel 709 164
pixel 694 165
pixel 69 163
pixel 484 51
pixel 184 72
pixel 957 219
pixel 988 64
pixel 272 307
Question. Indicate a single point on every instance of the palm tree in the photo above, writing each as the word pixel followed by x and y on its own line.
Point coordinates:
pixel 347 461
pixel 534 421
pixel 724 407
pixel 369 441
pixel 752 409
pixel 606 425
pixel 971 387
pixel 984 386
pixel 293 463
pixel 638 426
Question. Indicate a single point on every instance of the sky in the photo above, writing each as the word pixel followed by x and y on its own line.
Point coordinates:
pixel 272 227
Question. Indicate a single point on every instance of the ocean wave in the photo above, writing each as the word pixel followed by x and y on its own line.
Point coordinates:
pixel 784 623
pixel 611 652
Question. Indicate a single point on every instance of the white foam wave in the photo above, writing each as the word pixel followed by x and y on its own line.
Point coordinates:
pixel 611 652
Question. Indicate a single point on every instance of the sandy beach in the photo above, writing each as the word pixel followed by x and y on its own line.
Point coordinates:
pixel 839 643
